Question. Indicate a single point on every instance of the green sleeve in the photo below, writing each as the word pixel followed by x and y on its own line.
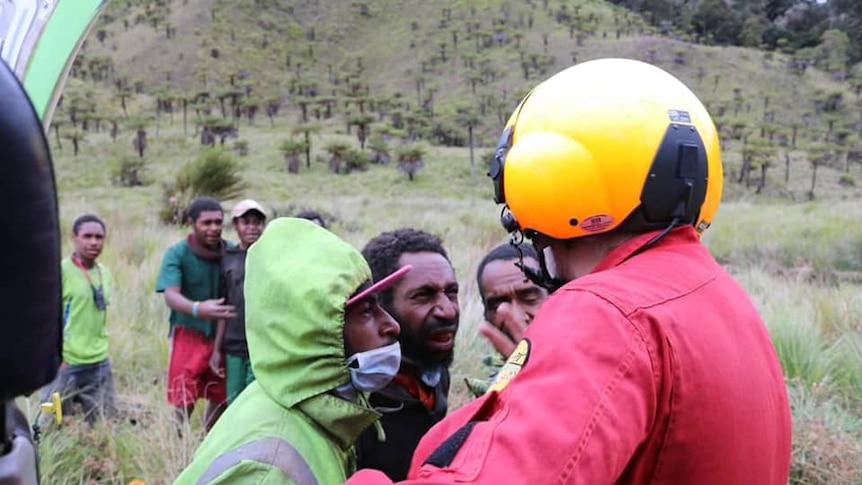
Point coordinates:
pixel 171 271
pixel 252 472
pixel 107 284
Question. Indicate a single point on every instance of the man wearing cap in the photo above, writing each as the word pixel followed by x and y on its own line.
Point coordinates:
pixel 319 342
pixel 189 280
pixel 248 218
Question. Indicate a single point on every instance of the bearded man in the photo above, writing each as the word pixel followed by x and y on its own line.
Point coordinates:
pixel 425 305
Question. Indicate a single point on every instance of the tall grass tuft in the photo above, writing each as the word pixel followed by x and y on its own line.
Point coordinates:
pixel 846 358
pixel 801 348
pixel 827 439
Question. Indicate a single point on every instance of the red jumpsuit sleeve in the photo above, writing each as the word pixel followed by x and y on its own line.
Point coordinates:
pixel 575 413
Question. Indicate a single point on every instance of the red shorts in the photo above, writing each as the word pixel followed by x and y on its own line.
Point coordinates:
pixel 189 374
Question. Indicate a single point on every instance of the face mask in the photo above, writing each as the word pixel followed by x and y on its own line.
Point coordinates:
pixel 371 370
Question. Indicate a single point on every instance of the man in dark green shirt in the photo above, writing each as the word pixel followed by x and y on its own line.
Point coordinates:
pixel 189 279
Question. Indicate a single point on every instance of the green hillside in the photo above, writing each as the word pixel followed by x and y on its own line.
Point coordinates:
pixel 428 70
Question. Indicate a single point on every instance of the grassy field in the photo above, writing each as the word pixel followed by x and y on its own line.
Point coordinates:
pixel 798 253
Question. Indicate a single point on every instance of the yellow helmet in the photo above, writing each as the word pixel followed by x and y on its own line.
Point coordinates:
pixel 605 144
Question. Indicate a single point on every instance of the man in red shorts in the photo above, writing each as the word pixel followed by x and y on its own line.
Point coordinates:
pixel 189 279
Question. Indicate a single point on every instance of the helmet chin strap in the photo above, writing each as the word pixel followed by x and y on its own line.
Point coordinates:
pixel 541 277
pixel 676 222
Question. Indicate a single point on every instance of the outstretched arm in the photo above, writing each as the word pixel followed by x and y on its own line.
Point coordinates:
pixel 206 309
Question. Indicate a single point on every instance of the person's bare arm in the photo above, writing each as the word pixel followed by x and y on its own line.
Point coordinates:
pixel 216 357
pixel 207 309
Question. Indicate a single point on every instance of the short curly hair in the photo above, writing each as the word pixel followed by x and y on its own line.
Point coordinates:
pixel 314 217
pixel 81 220
pixel 383 251
pixel 202 204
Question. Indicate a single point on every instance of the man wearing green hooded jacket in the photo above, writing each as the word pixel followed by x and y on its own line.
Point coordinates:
pixel 318 343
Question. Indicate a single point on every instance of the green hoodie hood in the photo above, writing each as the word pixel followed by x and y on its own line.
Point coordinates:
pixel 298 277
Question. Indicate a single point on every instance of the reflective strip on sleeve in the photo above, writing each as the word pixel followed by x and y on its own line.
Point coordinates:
pixel 270 451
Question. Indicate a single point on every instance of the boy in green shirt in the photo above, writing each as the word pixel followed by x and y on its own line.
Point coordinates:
pixel 85 375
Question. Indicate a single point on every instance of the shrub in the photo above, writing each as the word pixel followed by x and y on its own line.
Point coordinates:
pixel 128 171
pixel 292 148
pixel 379 150
pixel 338 152
pixel 215 173
pixel 356 161
pixel 411 159
pixel 241 147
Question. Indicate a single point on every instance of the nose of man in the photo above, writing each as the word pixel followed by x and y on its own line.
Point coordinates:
pixel 446 309
pixel 388 326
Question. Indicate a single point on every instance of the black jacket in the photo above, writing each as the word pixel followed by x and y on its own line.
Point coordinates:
pixel 403 427
pixel 232 280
